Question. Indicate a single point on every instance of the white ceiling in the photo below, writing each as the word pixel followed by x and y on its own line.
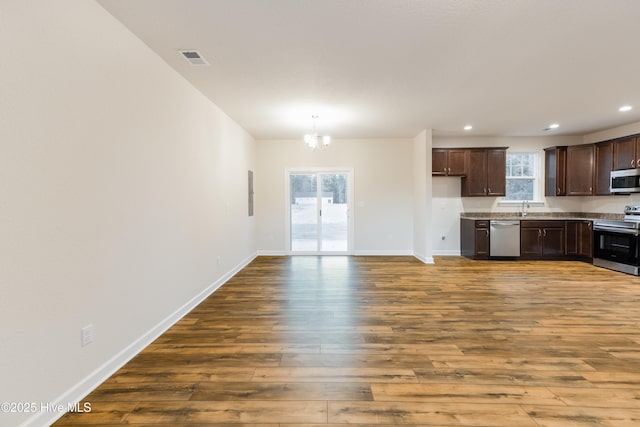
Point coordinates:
pixel 390 68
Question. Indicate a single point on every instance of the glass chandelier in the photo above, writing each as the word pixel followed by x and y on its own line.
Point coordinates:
pixel 315 141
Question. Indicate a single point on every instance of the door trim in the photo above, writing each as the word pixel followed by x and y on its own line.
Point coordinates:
pixel 350 211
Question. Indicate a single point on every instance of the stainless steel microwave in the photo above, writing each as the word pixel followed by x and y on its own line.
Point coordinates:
pixel 625 181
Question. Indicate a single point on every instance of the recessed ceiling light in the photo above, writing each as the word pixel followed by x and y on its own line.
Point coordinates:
pixel 468 127
pixel 554 126
pixel 625 108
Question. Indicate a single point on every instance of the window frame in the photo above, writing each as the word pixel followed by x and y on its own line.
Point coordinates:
pixel 538 181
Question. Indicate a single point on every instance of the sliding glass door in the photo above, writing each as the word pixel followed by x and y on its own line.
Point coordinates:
pixel 319 212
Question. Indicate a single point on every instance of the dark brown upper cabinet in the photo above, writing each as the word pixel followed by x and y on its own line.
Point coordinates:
pixel 626 153
pixel 448 162
pixel 580 169
pixel 555 164
pixel 604 166
pixel 486 172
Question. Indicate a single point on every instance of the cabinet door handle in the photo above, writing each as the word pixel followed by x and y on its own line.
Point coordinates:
pixel 449 171
pixel 559 190
pixel 445 171
pixel 484 190
pixel 489 190
pixel 590 189
pixel 544 232
pixel 539 233
pixel 487 232
pixel 638 162
pixel 633 163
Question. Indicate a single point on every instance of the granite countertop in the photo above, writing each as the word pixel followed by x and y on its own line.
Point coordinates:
pixel 533 216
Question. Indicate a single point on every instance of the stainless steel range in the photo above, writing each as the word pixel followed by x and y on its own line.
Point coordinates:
pixel 616 242
pixel 632 213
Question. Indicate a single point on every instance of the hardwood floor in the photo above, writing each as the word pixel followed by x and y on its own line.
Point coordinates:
pixel 389 341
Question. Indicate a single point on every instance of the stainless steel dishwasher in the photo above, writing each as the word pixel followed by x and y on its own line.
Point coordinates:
pixel 504 238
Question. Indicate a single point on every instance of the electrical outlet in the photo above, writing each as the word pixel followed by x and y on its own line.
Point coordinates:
pixel 86 335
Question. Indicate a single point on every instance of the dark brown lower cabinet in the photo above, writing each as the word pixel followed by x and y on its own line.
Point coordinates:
pixel 579 240
pixel 542 239
pixel 474 238
pixel 585 231
pixel 571 238
pixel 546 239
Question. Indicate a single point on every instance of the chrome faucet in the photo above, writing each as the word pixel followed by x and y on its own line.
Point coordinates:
pixel 525 206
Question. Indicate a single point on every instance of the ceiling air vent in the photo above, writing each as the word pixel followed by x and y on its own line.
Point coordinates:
pixel 193 57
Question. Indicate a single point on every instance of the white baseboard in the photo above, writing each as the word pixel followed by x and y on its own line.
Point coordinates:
pixel 383 253
pixel 355 253
pixel 447 253
pixel 425 259
pixel 93 380
pixel 272 253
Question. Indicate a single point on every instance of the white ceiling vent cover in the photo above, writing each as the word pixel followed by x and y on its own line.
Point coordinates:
pixel 193 57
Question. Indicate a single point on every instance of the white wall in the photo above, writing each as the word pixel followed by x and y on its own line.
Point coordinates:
pixel 383 191
pixel 120 186
pixel 420 203
pixel 422 189
pixel 617 132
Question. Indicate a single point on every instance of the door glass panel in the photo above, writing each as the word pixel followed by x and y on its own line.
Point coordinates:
pixel 334 214
pixel 304 212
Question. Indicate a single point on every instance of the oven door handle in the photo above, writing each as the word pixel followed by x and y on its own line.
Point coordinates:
pixel 617 245
pixel 615 230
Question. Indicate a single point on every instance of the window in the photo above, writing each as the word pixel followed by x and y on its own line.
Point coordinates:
pixel 522 177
